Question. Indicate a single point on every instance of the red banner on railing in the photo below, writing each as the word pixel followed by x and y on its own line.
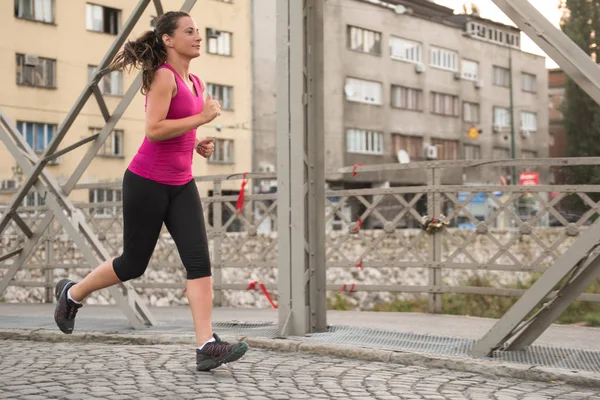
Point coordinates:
pixel 345 288
pixel 252 286
pixel 240 201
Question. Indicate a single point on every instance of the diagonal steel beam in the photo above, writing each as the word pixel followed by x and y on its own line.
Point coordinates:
pixel 578 65
pixel 563 299
pixel 72 226
pixel 503 329
pixel 512 326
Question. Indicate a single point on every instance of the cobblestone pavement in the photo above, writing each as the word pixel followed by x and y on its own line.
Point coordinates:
pixel 39 370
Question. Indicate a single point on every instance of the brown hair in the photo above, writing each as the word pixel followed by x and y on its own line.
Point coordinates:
pixel 148 52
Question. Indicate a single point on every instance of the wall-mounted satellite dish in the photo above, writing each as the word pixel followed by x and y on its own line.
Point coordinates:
pixel 348 90
pixel 400 9
pixel 403 157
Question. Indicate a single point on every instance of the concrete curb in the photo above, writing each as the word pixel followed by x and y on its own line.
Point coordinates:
pixel 483 367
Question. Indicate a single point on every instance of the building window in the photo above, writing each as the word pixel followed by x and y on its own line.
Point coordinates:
pixel 219 42
pixel 363 91
pixel 501 76
pixel 105 196
pixel 224 94
pixel 364 40
pixel 472 152
pixel 113 146
pixel 102 19
pixel 36 10
pixel 413 145
pixel 528 154
pixel 8 184
pixel 470 70
pixel 500 153
pixel 494 35
pixel 443 59
pixel 223 151
pixel 501 117
pixel 33 199
pixel 444 104
pixel 36 71
pixel 529 82
pixel 407 98
pixel 364 142
pixel 528 121
pixel 446 149
pixel 471 112
pixel 37 135
pixel 111 83
pixel 406 50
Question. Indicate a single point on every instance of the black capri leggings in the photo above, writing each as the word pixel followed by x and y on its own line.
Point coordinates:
pixel 146 205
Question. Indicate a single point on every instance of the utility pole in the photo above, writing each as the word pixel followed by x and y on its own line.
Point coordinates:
pixel 512 116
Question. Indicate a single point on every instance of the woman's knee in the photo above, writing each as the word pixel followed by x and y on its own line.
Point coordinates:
pixel 127 269
pixel 197 263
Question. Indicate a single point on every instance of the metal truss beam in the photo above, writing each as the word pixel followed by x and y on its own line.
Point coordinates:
pixel 71 218
pixel 300 166
pixel 580 265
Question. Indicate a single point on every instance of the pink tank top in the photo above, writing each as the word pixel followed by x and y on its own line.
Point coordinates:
pixel 170 161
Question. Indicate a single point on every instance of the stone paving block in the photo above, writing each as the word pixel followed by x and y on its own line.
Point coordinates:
pixel 166 372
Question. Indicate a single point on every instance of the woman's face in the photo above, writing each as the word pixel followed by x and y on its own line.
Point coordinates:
pixel 186 38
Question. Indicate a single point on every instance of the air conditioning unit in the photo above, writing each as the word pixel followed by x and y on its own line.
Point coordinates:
pixel 431 152
pixel 32 60
pixel 478 84
pixel 457 76
pixel 498 128
pixel 525 134
pixel 266 168
pixel 213 33
pixel 419 68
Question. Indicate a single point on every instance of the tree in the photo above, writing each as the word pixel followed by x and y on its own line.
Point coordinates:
pixel 471 9
pixel 581 114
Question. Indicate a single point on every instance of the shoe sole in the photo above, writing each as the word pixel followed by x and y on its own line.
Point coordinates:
pixel 58 293
pixel 212 363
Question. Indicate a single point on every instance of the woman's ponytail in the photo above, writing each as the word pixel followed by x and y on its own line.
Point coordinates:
pixel 148 52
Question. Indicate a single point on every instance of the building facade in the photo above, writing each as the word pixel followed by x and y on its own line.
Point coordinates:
pixel 49 52
pixel 410 77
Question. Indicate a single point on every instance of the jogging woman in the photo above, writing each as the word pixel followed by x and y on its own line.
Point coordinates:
pixel 158 186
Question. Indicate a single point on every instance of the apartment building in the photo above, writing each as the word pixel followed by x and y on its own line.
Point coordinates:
pixel 411 77
pixel 49 51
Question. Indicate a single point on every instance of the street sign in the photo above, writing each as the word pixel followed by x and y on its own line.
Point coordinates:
pixel 473 133
pixel 529 178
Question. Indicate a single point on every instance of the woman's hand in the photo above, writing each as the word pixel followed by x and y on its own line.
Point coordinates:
pixel 211 109
pixel 205 147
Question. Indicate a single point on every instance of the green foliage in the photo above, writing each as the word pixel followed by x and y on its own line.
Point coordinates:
pixel 581 22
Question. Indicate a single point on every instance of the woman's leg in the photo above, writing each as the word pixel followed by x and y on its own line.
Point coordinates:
pixel 144 206
pixel 185 222
pixel 101 277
